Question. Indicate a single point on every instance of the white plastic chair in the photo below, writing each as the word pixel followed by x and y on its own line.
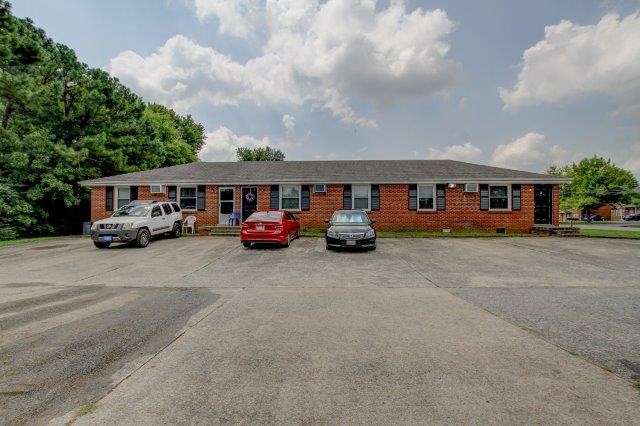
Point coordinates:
pixel 189 223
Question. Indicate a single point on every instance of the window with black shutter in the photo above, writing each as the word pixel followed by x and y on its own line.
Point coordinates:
pixel 134 193
pixel 274 198
pixel 375 197
pixel 108 198
pixel 516 197
pixel 172 192
pixel 200 204
pixel 304 199
pixel 484 197
pixel 413 197
pixel 441 203
pixel 346 197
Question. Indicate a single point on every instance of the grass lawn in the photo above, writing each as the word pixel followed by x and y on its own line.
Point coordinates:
pixel 426 234
pixel 609 233
pixel 9 243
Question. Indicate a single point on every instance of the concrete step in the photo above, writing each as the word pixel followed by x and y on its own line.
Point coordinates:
pixel 574 232
pixel 222 230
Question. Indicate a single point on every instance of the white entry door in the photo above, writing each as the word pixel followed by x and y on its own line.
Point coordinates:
pixel 226 204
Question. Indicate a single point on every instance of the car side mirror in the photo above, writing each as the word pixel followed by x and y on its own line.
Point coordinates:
pixel 373 222
pixel 327 221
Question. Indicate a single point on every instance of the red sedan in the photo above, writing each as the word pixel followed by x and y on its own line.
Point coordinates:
pixel 269 227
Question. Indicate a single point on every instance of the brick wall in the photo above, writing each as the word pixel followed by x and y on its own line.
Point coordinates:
pixel 462 209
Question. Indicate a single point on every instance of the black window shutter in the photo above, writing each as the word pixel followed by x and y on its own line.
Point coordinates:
pixel 441 203
pixel 304 197
pixel 274 200
pixel 484 197
pixel 413 197
pixel 172 192
pixel 346 197
pixel 375 197
pixel 108 198
pixel 516 197
pixel 133 193
pixel 201 197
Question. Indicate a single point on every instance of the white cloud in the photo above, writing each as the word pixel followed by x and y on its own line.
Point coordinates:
pixel 221 144
pixel 574 61
pixel 325 54
pixel 466 152
pixel 529 152
pixel 289 123
pixel 633 162
pixel 238 18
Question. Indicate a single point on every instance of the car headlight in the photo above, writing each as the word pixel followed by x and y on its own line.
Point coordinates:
pixel 331 233
pixel 94 226
pixel 370 233
pixel 127 226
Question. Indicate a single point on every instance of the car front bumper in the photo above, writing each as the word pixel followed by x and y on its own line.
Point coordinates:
pixel 114 236
pixel 351 243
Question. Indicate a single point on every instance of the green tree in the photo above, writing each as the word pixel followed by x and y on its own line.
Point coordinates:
pixel 61 122
pixel 259 154
pixel 594 182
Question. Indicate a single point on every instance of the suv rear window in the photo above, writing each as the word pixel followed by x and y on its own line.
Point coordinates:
pixel 176 207
pixel 167 208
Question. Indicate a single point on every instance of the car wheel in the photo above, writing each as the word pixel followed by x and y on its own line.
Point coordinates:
pixel 176 232
pixel 101 245
pixel 246 244
pixel 142 240
pixel 288 243
pixel 373 248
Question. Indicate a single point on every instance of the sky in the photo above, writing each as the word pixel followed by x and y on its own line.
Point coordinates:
pixel 513 84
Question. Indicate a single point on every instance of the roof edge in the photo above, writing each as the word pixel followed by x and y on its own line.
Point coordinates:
pixel 141 182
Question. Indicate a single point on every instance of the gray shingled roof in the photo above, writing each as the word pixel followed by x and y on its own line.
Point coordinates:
pixel 352 171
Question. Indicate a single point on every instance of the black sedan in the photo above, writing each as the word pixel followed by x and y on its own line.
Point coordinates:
pixel 351 229
pixel 632 217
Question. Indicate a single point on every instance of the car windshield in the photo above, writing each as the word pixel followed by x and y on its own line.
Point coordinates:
pixel 265 216
pixel 132 210
pixel 350 217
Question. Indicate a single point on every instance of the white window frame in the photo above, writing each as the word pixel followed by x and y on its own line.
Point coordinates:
pixel 353 196
pixel 299 197
pixel 508 185
pixel 179 197
pixel 116 191
pixel 433 192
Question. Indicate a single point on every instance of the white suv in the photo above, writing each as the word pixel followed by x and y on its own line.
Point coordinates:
pixel 137 222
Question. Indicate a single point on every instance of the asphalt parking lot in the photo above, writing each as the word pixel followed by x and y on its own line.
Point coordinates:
pixel 201 330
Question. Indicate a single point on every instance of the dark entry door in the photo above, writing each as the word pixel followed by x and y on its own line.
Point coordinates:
pixel 542 204
pixel 249 201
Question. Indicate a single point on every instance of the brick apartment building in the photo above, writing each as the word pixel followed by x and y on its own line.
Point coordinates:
pixel 399 194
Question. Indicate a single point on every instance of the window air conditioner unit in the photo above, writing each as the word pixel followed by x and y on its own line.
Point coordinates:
pixel 470 187
pixel 156 189
pixel 320 188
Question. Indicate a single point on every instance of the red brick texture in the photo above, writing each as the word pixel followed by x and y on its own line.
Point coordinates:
pixel 462 209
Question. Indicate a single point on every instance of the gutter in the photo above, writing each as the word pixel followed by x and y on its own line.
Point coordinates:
pixel 106 182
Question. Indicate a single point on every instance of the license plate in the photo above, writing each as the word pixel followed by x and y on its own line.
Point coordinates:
pixel 106 238
pixel 351 242
pixel 259 227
